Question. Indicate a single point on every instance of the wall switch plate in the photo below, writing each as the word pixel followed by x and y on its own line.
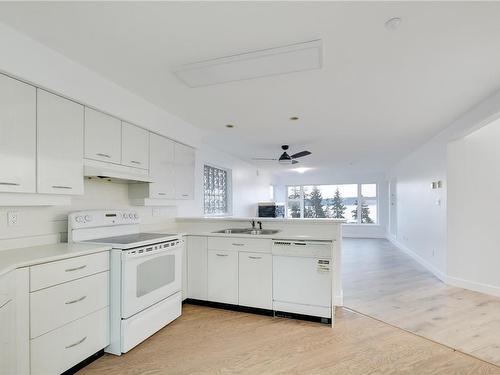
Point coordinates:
pixel 12 218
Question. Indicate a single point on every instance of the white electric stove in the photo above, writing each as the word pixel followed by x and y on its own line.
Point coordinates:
pixel 145 276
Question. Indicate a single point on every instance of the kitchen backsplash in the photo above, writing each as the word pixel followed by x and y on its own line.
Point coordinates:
pixel 49 224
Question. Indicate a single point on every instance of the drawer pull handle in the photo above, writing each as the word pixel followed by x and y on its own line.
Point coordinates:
pixel 76 300
pixel 61 187
pixel 238 244
pixel 162 193
pixel 252 257
pixel 76 268
pixel 221 255
pixel 103 155
pixel 77 343
pixel 135 162
pixel 9 183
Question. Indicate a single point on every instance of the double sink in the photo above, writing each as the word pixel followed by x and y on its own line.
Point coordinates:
pixel 247 231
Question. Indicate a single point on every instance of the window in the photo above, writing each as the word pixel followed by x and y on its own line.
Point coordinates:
pixel 216 190
pixel 357 203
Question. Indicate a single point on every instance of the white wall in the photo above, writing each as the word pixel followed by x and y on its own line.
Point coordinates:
pixel 473 205
pixel 249 184
pixel 421 223
pixel 325 177
pixel 32 62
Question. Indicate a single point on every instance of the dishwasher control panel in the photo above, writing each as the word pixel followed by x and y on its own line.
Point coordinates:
pixel 308 249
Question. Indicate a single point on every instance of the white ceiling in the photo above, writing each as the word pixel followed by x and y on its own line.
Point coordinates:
pixel 379 94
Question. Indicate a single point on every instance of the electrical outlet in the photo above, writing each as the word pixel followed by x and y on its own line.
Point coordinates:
pixel 433 252
pixel 156 211
pixel 12 218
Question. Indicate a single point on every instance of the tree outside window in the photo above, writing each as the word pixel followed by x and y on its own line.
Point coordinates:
pixel 334 201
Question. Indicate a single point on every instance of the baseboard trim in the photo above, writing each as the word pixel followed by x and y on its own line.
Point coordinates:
pixel 473 285
pixel 436 272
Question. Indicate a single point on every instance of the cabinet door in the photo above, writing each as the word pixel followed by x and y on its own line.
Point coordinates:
pixel 256 280
pixel 7 339
pixel 103 137
pixel 17 136
pixel 161 167
pixel 184 271
pixel 197 267
pixel 223 276
pixel 60 145
pixel 184 171
pixel 135 146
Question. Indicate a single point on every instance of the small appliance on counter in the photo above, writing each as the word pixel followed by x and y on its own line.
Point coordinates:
pixel 271 209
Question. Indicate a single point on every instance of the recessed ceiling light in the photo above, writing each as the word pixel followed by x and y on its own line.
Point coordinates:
pixel 393 23
pixel 230 126
pixel 294 118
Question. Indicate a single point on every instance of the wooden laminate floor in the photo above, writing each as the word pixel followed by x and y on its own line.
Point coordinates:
pixel 211 341
pixel 382 282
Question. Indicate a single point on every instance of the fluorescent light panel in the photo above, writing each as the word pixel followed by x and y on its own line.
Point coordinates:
pixel 263 63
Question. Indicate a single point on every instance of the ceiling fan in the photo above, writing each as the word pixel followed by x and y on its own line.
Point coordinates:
pixel 285 158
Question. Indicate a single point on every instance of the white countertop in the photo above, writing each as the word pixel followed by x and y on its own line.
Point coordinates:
pixel 276 236
pixel 272 219
pixel 29 256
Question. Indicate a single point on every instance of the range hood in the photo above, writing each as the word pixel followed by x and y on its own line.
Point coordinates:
pixel 114 172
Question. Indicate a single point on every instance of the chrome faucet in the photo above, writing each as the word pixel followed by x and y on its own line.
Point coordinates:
pixel 253 224
pixel 260 224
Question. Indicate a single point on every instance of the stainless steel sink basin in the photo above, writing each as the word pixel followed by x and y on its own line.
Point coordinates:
pixel 255 232
pixel 233 231
pixel 263 231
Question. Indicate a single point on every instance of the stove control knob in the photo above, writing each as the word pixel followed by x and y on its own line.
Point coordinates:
pixel 79 219
pixel 136 216
pixel 124 215
pixel 130 216
pixel 88 218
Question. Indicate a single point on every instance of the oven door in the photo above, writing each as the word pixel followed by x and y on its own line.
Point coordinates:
pixel 149 278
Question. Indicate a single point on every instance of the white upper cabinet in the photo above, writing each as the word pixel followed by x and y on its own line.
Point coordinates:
pixel 103 137
pixel 135 146
pixel 184 171
pixel 17 136
pixel 161 167
pixel 60 145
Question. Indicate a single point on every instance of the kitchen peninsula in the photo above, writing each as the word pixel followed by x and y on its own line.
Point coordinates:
pixel 250 261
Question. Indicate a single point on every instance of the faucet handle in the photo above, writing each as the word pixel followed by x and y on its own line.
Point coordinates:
pixel 260 224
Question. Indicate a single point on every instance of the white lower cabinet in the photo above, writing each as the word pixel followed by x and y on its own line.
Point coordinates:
pixel 7 339
pixel 197 267
pixel 256 280
pixel 61 349
pixel 69 312
pixel 64 303
pixel 223 276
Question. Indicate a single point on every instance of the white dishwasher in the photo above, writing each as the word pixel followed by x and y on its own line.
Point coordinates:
pixel 302 277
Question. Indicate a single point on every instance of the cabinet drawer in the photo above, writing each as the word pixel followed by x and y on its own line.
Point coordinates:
pixel 56 306
pixel 53 273
pixel 239 244
pixel 59 350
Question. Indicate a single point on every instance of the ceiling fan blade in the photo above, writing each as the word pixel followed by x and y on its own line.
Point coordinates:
pixel 270 159
pixel 295 162
pixel 300 154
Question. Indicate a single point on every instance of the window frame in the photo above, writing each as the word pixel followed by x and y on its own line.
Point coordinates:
pixel 359 197
pixel 229 191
